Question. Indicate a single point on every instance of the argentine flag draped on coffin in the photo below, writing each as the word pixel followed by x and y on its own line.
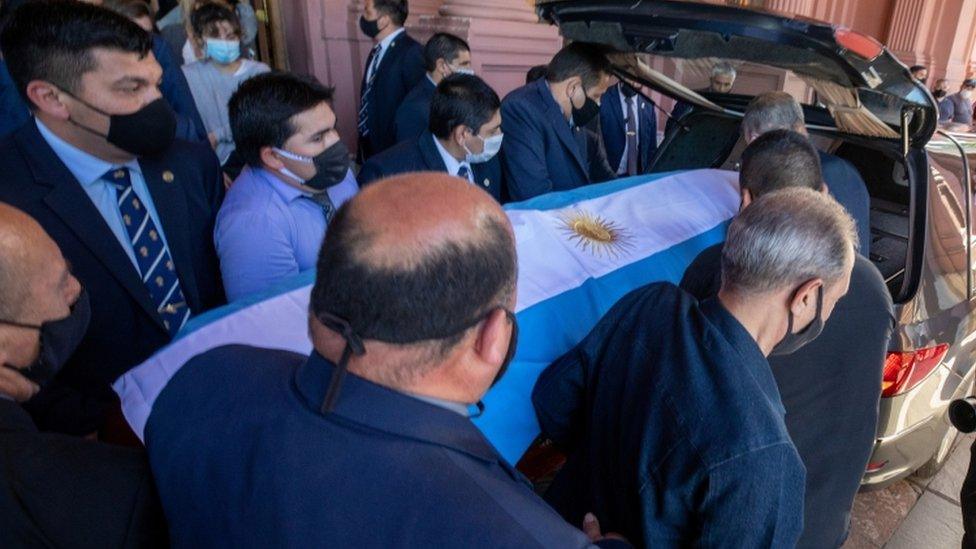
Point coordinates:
pixel 579 251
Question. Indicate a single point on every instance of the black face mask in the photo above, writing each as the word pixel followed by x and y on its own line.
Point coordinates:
pixel 147 132
pixel 59 339
pixel 627 90
pixel 939 94
pixel 585 114
pixel 331 167
pixel 369 28
pixel 512 344
pixel 793 342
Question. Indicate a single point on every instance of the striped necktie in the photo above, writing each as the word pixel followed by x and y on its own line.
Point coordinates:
pixel 323 201
pixel 372 65
pixel 155 262
pixel 464 172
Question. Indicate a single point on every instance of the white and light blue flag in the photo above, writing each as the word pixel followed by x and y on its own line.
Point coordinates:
pixel 579 251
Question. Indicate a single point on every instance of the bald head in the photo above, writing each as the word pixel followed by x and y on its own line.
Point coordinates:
pixel 24 249
pixel 416 260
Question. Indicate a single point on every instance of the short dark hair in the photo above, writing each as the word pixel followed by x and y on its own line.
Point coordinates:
pixel 261 109
pixel 780 159
pixel 535 73
pixel 969 83
pixel 133 9
pixel 51 40
pixel 461 100
pixel 443 46
pixel 205 17
pixel 449 288
pixel 916 68
pixel 396 9
pixel 588 61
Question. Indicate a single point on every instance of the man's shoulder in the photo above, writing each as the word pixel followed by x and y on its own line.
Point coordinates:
pixel 403 153
pixel 522 98
pixel 868 290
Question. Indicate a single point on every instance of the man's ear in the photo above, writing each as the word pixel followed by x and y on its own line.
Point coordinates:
pixel 746 195
pixel 46 99
pixel 805 298
pixel 494 334
pixel 824 188
pixel 270 159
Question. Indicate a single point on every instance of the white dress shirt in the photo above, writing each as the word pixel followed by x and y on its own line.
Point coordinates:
pixel 453 165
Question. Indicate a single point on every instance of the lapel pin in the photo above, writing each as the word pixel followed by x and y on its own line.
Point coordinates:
pixel 487 182
pixel 168 176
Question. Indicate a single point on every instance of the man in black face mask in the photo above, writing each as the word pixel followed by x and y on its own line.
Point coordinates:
pixel 367 442
pixel 56 490
pixel 668 408
pixel 547 147
pixel 272 223
pixel 131 207
pixel 393 67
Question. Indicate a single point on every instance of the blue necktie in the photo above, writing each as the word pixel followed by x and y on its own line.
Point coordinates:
pixel 155 263
pixel 367 90
pixel 464 173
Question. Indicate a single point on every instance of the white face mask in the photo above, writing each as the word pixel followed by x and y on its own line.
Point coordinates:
pixel 966 94
pixel 492 145
pixel 296 158
pixel 462 70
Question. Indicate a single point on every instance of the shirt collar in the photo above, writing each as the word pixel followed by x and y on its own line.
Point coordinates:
pixel 366 403
pixel 287 192
pixel 385 43
pixel 86 168
pixel 741 340
pixel 431 80
pixel 450 162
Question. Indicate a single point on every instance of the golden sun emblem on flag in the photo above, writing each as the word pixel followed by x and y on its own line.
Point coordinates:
pixel 595 234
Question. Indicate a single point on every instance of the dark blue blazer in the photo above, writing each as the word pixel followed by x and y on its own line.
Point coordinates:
pixel 189 125
pixel 400 70
pixel 846 186
pixel 542 152
pixel 187 188
pixel 244 457
pixel 421 155
pixel 413 116
pixel 615 129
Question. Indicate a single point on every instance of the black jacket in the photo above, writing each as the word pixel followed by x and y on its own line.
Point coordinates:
pixel 187 188
pixel 401 68
pixel 60 491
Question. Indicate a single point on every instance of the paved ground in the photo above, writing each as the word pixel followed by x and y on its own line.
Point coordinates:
pixel 915 513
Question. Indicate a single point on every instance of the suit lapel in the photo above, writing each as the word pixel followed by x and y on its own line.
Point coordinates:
pixel 68 200
pixel 559 122
pixel 616 112
pixel 170 202
pixel 429 153
pixel 648 131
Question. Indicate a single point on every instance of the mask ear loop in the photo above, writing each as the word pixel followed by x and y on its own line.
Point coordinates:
pixel 354 346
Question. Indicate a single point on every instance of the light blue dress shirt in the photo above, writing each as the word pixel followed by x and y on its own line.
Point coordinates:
pixel 88 170
pixel 268 230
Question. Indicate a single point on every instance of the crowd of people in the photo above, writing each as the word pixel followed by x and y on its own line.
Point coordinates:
pixel 149 177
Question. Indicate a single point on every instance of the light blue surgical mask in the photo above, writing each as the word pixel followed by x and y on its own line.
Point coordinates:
pixel 224 52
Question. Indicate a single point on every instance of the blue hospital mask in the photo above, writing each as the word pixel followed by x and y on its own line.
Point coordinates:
pixel 224 52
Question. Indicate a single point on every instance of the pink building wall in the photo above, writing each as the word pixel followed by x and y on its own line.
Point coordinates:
pixel 323 39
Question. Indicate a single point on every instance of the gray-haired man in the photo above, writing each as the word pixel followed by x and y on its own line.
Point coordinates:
pixel 668 409
pixel 720 80
pixel 779 111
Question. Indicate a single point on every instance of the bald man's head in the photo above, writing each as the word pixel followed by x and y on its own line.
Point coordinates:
pixel 416 258
pixel 24 246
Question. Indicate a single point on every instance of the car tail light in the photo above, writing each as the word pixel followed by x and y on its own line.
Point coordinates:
pixel 904 370
pixel 876 466
pixel 860 44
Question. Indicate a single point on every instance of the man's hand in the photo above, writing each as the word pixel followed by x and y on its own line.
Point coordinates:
pixel 591 527
pixel 14 385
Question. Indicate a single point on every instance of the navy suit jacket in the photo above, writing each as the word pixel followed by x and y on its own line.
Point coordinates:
pixel 186 188
pixel 846 186
pixel 413 116
pixel 542 152
pixel 420 154
pixel 381 470
pixel 189 125
pixel 400 69
pixel 615 129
